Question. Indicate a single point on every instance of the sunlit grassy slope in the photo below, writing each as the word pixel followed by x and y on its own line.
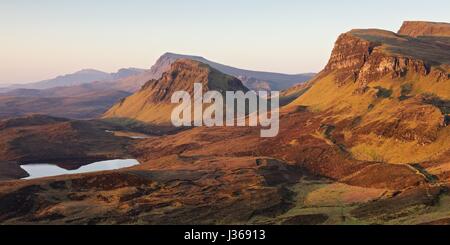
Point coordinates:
pixel 387 104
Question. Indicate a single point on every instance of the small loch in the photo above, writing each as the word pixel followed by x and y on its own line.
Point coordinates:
pixel 131 135
pixel 48 170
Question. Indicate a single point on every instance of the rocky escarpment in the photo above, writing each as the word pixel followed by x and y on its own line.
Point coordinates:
pixel 389 92
pixel 424 28
pixel 349 56
pixel 364 56
pixel 379 65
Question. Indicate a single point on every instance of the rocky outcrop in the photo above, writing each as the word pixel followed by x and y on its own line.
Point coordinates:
pixel 378 65
pixel 364 56
pixel 424 28
pixel 349 54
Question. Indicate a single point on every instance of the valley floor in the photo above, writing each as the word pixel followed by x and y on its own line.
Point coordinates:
pixel 208 176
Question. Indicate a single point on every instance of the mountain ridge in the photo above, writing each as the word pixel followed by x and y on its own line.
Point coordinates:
pixel 255 80
pixel 131 79
pixel 152 104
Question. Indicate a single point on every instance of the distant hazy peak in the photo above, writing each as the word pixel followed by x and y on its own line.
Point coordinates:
pixel 424 28
pixel 84 71
pixel 255 80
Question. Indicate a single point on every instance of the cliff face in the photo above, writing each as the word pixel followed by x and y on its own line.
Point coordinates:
pixel 349 56
pixel 424 28
pixel 364 56
pixel 379 65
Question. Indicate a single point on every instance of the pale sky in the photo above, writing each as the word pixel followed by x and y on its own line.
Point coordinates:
pixel 40 39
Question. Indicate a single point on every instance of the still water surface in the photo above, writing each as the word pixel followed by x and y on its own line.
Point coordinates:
pixel 47 170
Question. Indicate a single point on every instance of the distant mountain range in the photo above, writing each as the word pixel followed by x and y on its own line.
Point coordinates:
pixel 89 93
pixel 79 77
pixel 131 79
